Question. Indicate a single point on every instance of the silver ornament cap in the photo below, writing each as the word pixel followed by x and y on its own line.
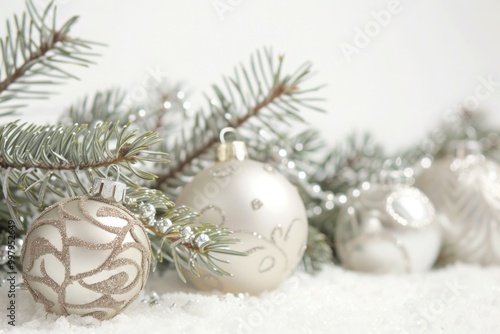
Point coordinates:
pixel 233 150
pixel 390 177
pixel 111 190
pixel 461 149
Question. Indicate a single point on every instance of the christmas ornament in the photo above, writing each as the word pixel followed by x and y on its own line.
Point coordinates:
pixel 465 189
pixel 87 255
pixel 263 209
pixel 387 226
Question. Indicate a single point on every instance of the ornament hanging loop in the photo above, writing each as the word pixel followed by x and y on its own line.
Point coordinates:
pixel 117 172
pixel 223 132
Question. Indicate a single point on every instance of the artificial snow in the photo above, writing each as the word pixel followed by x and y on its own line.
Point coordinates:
pixel 457 299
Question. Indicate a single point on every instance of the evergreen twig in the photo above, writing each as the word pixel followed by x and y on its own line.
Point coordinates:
pixel 35 52
pixel 258 103
pixel 38 158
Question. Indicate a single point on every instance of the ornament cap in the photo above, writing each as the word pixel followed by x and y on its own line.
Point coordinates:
pixel 392 177
pixel 236 150
pixel 463 148
pixel 108 189
pixel 233 150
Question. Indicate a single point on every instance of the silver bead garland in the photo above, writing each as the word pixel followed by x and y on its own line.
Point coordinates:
pixel 146 212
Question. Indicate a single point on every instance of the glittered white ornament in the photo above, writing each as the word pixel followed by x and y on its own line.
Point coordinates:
pixel 465 189
pixel 86 255
pixel 263 209
pixel 388 228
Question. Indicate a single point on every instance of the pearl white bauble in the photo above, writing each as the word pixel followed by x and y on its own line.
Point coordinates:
pixel 267 215
pixel 465 189
pixel 86 256
pixel 388 229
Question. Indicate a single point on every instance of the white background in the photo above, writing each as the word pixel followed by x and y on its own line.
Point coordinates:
pixel 425 62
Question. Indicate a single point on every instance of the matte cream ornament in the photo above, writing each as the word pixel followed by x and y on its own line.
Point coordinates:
pixel 87 255
pixel 388 227
pixel 263 209
pixel 465 189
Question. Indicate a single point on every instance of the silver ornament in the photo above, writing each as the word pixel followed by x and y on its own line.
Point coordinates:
pixel 465 189
pixel 86 256
pixel 263 209
pixel 388 227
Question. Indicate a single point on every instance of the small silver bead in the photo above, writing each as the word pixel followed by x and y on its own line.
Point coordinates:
pixel 201 240
pixel 186 233
pixel 163 224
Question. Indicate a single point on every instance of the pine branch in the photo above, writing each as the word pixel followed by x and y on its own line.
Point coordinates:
pixel 258 102
pixel 159 112
pixel 351 163
pixel 42 158
pixel 75 147
pixel 104 106
pixel 460 125
pixel 276 93
pixel 35 53
pixel 318 250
